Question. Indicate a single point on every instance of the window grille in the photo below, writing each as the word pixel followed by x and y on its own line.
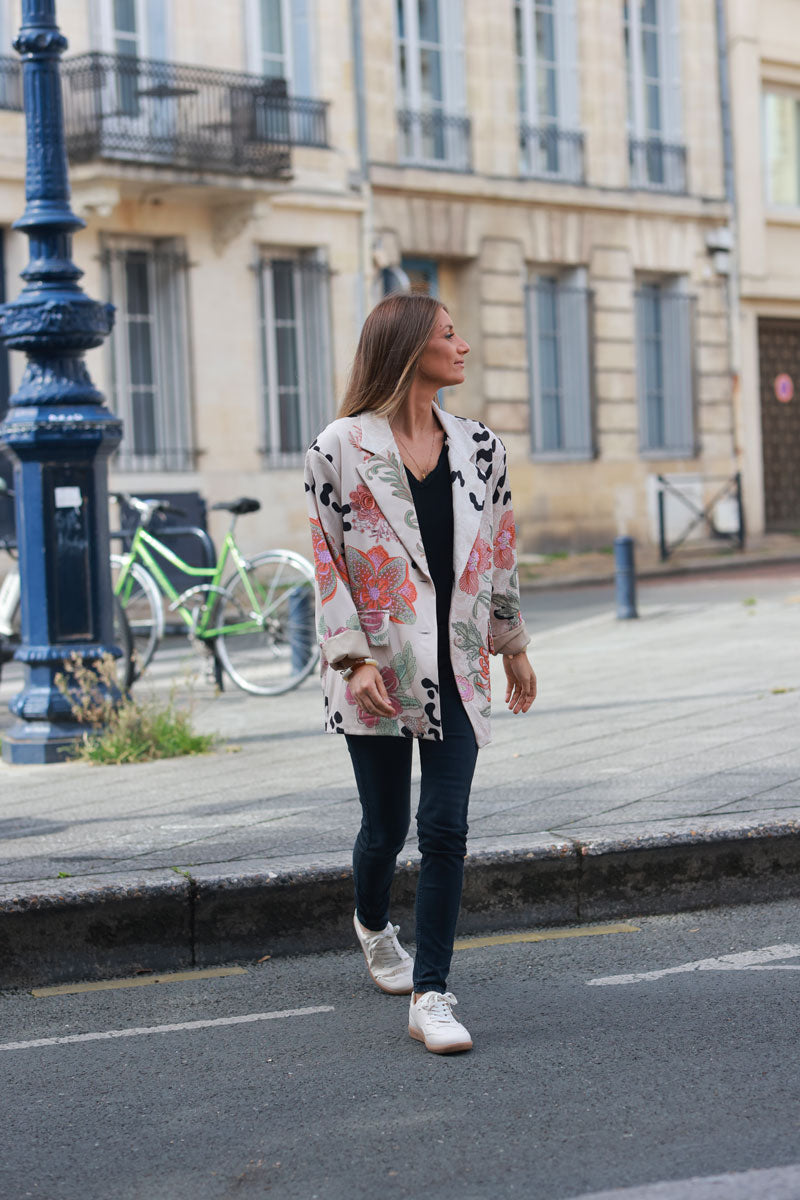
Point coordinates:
pixel 296 356
pixel 150 364
pixel 665 370
pixel 551 144
pixel 558 321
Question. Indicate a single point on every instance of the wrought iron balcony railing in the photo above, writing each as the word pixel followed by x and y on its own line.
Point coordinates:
pixel 146 111
pixel 548 152
pixel 434 138
pixel 656 165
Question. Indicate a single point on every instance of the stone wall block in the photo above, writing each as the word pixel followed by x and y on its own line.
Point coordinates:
pixel 505 384
pixel 500 254
pixel 503 320
pixel 505 417
pixel 501 287
pixel 505 352
pixel 615 356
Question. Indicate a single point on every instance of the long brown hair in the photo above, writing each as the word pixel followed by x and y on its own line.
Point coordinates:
pixel 391 344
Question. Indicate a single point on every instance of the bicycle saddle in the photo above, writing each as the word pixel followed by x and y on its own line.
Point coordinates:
pixel 245 504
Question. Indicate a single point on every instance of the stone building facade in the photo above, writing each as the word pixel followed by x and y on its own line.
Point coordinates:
pixel 252 182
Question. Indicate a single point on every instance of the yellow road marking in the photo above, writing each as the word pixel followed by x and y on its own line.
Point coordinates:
pixel 104 985
pixel 546 935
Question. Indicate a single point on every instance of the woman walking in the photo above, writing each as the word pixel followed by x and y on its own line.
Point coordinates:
pixel 414 550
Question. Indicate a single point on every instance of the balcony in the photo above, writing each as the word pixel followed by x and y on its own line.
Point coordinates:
pixel 547 152
pixel 141 111
pixel 657 166
pixel 434 138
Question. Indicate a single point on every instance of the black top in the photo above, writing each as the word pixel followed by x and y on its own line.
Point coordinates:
pixel 433 500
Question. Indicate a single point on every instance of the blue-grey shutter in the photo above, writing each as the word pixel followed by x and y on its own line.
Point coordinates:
pixel 302 73
pixel 569 117
pixel 677 310
pixel 174 371
pixel 317 404
pixel 645 434
pixel 672 103
pixel 157 39
pixel 534 387
pixel 574 369
pixel 451 25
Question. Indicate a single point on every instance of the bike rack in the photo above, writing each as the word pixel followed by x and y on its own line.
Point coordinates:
pixel 705 514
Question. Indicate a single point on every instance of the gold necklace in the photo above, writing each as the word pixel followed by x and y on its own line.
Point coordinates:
pixel 424 472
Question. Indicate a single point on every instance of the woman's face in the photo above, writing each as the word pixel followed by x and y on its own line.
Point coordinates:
pixel 442 361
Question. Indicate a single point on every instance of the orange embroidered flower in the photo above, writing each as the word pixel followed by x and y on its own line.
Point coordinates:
pixel 505 542
pixel 326 564
pixel 379 582
pixel 480 559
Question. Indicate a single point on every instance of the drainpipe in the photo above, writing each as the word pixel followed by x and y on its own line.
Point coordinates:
pixel 367 221
pixel 734 322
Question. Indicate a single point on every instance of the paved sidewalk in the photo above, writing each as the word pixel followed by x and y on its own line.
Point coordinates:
pixel 659 768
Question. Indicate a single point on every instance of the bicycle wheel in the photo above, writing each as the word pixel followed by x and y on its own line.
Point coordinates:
pixel 141 600
pixel 123 638
pixel 270 644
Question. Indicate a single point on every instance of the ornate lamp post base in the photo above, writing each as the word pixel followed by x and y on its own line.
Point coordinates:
pixel 57 430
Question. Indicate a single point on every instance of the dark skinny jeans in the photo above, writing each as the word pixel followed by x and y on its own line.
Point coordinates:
pixel 382 767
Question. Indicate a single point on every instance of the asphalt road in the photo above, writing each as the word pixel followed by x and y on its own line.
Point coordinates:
pixel 574 1085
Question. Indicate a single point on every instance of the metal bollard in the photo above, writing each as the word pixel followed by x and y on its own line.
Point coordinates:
pixel 301 625
pixel 625 578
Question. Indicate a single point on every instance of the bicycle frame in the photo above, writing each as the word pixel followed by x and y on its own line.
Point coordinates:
pixel 143 548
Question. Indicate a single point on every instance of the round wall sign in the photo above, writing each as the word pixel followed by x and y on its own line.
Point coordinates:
pixel 784 388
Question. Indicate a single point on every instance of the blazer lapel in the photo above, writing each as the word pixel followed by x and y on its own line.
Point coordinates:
pixel 469 489
pixel 385 476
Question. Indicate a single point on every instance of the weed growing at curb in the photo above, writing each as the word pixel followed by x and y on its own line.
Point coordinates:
pixel 119 729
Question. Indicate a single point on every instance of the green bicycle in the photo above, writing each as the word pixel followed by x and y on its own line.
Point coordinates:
pixel 258 624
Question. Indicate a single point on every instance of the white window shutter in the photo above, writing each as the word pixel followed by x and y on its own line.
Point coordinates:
pixel 302 71
pixel 573 327
pixel 677 314
pixel 671 71
pixel 317 406
pixel 451 14
pixel 569 116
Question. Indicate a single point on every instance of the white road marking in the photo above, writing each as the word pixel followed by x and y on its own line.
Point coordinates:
pixel 248 1018
pixel 748 960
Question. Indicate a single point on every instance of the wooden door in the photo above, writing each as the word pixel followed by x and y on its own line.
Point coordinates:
pixel 779 356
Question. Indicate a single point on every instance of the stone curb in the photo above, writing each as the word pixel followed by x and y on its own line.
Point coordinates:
pixel 69 930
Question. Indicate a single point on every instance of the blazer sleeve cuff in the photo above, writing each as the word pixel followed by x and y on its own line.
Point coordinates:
pixel 350 643
pixel 513 641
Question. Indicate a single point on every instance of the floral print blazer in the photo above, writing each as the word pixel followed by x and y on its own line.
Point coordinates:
pixel 375 596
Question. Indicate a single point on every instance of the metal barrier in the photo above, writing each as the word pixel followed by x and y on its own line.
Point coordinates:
pixel 700 514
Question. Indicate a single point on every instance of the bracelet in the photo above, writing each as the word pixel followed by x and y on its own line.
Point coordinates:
pixel 361 662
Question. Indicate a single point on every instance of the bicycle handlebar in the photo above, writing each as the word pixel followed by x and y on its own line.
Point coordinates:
pixel 147 508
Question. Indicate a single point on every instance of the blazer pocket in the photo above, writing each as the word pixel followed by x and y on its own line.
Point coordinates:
pixel 375 623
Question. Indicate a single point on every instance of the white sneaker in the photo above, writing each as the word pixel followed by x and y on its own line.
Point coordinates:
pixel 387 962
pixel 431 1020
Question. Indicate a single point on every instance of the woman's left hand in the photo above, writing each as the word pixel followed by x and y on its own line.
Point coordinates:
pixel 520 682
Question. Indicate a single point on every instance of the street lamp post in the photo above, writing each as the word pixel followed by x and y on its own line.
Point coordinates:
pixel 57 429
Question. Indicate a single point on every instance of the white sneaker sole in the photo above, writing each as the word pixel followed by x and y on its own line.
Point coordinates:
pixel 452 1048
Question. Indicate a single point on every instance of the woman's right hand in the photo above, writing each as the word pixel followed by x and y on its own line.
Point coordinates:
pixel 369 691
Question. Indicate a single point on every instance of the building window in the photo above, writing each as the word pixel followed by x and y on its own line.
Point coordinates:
pixel 781 133
pixel 433 125
pixel 665 370
pixel 551 144
pixel 652 52
pixel 295 354
pixel 279 42
pixel 558 319
pixel 151 376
